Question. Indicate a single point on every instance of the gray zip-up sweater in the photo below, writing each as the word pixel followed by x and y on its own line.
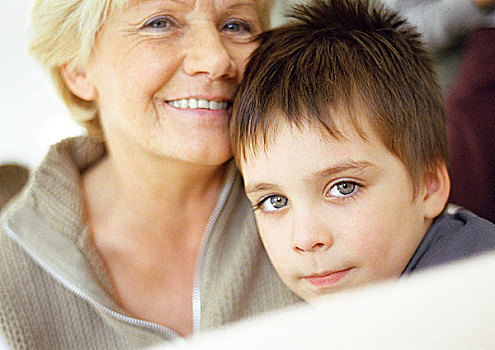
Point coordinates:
pixel 54 293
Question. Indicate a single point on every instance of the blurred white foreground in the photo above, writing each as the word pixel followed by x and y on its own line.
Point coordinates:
pixel 447 308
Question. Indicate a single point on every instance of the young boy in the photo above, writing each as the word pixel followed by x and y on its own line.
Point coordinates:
pixel 339 132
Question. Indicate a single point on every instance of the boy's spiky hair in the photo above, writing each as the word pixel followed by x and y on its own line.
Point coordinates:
pixel 345 57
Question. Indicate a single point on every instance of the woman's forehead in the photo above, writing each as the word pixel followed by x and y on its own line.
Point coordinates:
pixel 263 7
pixel 192 2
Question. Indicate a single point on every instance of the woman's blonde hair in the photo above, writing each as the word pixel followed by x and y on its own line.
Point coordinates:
pixel 64 32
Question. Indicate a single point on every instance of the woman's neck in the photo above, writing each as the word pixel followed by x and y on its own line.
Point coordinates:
pixel 156 189
pixel 147 220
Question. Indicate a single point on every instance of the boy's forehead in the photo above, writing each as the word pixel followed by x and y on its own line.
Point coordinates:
pixel 291 144
pixel 335 125
pixel 302 158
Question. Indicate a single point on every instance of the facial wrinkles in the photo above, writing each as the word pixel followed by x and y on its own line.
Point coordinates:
pixel 238 6
pixel 210 8
pixel 206 6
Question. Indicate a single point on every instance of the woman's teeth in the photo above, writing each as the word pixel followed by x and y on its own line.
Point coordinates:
pixel 201 104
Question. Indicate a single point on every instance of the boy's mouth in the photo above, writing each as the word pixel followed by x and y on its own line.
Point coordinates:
pixel 327 279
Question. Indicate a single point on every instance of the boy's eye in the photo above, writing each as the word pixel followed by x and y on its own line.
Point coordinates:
pixel 343 189
pixel 273 203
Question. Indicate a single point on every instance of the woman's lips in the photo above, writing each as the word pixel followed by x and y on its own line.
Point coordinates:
pixel 211 113
pixel 194 103
pixel 327 279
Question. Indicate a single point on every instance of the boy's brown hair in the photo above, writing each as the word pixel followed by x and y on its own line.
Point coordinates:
pixel 348 57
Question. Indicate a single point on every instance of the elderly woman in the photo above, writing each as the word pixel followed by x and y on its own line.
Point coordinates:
pixel 141 232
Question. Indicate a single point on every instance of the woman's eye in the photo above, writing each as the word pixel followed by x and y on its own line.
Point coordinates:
pixel 237 26
pixel 343 189
pixel 274 203
pixel 158 23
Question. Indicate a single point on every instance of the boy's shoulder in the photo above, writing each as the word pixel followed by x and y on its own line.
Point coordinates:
pixel 453 236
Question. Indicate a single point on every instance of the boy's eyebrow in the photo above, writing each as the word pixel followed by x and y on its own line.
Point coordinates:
pixel 339 168
pixel 348 165
pixel 261 187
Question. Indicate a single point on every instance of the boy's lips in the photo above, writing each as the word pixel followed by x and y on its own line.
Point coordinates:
pixel 327 279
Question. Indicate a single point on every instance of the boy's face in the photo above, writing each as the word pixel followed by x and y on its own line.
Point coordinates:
pixel 333 214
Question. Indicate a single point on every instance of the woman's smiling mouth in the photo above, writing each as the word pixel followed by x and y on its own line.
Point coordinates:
pixel 193 103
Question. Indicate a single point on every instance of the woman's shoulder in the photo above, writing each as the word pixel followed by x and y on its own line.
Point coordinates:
pixel 13 177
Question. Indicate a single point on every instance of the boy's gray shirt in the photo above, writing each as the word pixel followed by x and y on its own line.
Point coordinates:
pixel 452 237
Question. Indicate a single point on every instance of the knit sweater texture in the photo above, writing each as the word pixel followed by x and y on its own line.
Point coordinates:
pixel 54 290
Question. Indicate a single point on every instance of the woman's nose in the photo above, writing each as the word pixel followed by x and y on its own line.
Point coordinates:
pixel 207 54
pixel 309 235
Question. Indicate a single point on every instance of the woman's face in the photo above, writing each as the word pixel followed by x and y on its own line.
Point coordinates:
pixel 165 72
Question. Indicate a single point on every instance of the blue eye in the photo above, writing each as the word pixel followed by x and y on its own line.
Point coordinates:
pixel 273 203
pixel 343 189
pixel 158 23
pixel 237 26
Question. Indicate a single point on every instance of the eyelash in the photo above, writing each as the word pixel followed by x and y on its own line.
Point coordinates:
pixel 246 27
pixel 149 24
pixel 351 196
pixel 262 201
pixel 357 190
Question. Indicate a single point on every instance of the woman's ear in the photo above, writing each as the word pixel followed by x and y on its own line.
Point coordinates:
pixel 437 191
pixel 78 82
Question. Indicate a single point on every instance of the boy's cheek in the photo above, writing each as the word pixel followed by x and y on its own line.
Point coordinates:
pixel 275 242
pixel 277 246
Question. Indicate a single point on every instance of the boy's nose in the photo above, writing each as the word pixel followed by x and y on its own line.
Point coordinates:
pixel 309 235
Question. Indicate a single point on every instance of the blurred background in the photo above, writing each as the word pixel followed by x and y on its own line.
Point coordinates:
pixel 32 117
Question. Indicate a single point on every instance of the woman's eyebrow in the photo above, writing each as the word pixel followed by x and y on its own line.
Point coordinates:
pixel 243 3
pixel 177 1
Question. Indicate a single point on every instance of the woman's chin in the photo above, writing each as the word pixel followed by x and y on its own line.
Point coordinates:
pixel 206 153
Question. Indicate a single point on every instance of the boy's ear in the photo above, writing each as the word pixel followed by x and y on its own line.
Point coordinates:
pixel 78 81
pixel 436 191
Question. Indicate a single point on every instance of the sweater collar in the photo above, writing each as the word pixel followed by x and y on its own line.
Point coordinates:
pixel 52 207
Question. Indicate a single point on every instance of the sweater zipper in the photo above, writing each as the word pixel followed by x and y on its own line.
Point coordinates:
pixel 78 292
pixel 196 299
